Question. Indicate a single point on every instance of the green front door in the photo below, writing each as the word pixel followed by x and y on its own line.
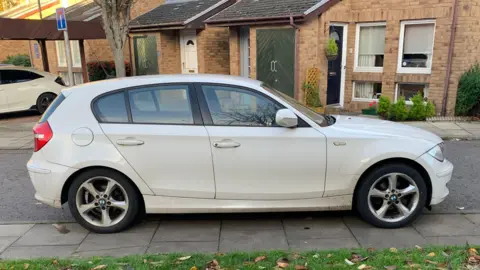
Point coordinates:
pixel 145 50
pixel 276 58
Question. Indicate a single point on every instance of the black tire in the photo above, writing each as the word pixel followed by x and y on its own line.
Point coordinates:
pixel 134 201
pixel 361 196
pixel 43 101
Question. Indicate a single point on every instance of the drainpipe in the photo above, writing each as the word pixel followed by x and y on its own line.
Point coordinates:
pixel 450 56
pixel 295 66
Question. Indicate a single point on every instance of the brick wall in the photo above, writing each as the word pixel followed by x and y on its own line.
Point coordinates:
pixel 213 50
pixel 234 49
pixel 314 33
pixel 12 47
pixel 170 61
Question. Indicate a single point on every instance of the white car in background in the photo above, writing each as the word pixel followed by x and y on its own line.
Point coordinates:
pixel 24 88
pixel 117 149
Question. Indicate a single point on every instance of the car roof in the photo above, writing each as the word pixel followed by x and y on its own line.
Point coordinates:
pixel 12 67
pixel 104 86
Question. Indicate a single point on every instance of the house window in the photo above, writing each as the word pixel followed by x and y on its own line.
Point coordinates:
pixel 408 90
pixel 370 47
pixel 367 91
pixel 416 47
pixel 61 53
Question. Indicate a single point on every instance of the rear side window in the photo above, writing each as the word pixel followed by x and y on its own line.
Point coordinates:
pixel 53 106
pixel 161 105
pixel 111 108
pixel 18 76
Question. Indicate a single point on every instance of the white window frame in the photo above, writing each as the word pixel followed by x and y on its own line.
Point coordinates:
pixel 64 63
pixel 409 102
pixel 414 70
pixel 357 48
pixel 363 99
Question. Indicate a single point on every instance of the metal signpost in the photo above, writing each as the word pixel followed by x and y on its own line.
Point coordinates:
pixel 62 26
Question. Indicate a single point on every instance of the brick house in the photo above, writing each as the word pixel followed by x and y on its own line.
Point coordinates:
pixel 172 38
pixel 389 47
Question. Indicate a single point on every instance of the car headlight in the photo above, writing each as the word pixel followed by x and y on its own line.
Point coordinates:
pixel 438 152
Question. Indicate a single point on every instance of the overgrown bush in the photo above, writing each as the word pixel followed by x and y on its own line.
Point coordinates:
pixel 383 107
pixel 312 95
pixel 101 70
pixel 398 111
pixel 18 60
pixel 420 109
pixel 468 94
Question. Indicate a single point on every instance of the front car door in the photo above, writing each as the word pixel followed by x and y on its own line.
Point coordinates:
pixel 162 137
pixel 254 159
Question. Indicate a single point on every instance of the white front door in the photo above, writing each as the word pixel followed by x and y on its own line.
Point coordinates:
pixel 188 48
pixel 163 142
pixel 254 159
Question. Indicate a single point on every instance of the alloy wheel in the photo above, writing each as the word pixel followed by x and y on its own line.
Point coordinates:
pixel 393 197
pixel 102 201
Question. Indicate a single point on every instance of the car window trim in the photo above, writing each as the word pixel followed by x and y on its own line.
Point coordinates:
pixel 207 117
pixel 194 107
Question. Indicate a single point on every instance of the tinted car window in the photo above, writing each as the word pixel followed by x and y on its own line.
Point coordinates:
pixel 111 108
pixel 231 106
pixel 18 76
pixel 161 105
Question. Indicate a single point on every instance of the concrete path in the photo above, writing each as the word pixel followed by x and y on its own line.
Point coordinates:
pixel 450 130
pixel 207 235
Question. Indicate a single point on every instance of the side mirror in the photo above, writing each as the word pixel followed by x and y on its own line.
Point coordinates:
pixel 286 118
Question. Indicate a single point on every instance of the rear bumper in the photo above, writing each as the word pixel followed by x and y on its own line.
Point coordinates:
pixel 48 180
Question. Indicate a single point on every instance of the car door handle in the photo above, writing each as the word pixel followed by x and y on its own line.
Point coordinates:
pixel 226 144
pixel 129 142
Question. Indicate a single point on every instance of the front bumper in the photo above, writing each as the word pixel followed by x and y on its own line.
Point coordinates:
pixel 48 180
pixel 440 174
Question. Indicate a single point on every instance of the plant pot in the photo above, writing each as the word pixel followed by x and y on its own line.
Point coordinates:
pixel 332 57
pixel 369 111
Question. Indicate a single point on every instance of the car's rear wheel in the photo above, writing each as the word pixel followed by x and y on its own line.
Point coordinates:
pixel 391 196
pixel 44 100
pixel 103 201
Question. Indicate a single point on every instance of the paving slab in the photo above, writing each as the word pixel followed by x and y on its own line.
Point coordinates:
pixel 252 240
pixel 14 230
pixel 251 225
pixel 453 240
pixel 446 125
pixel 322 244
pixel 457 132
pixel 469 126
pixel 38 252
pixel 6 241
pixel 445 225
pixel 47 234
pixel 316 228
pixel 114 252
pixel 369 236
pixel 188 231
pixel 117 240
pixel 184 247
pixel 475 218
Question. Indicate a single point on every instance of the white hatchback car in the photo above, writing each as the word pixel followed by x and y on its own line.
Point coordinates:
pixel 117 149
pixel 24 88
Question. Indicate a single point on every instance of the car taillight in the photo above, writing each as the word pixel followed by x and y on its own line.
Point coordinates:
pixel 42 134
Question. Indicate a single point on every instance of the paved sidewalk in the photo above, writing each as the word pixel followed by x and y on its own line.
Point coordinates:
pixel 207 235
pixel 451 130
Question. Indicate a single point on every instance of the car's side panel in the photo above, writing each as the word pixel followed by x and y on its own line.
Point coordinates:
pixel 22 96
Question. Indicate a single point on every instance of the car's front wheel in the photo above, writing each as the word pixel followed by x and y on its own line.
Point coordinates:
pixel 103 201
pixel 391 196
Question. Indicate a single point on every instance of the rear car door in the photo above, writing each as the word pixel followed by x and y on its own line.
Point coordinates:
pixel 22 88
pixel 255 159
pixel 161 135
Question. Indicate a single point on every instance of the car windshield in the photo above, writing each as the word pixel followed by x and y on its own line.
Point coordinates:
pixel 314 116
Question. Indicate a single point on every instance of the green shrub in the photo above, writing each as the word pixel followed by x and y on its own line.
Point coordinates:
pixel 332 47
pixel 18 60
pixel 398 111
pixel 384 107
pixel 420 109
pixel 101 70
pixel 312 95
pixel 468 94
pixel 430 109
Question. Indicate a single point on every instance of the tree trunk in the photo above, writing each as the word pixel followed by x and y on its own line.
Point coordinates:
pixel 119 62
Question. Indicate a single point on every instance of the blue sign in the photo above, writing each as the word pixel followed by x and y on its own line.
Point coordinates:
pixel 36 50
pixel 61 20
